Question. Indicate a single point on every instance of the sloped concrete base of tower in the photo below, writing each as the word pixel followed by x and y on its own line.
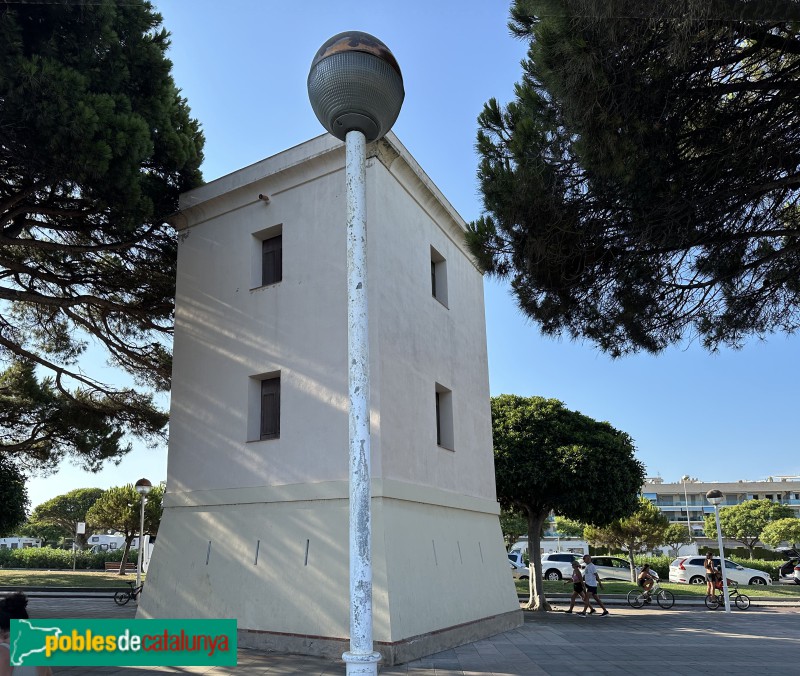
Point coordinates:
pixel 276 559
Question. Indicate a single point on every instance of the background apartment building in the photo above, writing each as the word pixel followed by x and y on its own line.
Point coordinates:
pixel 677 499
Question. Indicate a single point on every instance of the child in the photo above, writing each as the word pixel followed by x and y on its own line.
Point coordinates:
pixel 13 607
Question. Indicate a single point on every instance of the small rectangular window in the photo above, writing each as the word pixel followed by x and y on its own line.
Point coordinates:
pixel 444 417
pixel 438 277
pixel 271 260
pixel 266 257
pixel 438 419
pixel 270 408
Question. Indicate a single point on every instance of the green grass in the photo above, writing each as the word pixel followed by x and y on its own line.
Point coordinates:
pixel 62 578
pixel 66 578
pixel 787 591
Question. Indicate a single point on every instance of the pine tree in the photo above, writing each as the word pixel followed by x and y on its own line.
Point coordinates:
pixel 643 185
pixel 96 144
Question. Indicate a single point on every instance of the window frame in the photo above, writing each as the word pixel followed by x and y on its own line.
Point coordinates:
pixel 443 411
pixel 272 385
pixel 260 240
pixel 439 277
pixel 272 246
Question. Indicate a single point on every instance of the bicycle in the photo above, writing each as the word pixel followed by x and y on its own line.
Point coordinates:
pixel 122 597
pixel 715 601
pixel 664 597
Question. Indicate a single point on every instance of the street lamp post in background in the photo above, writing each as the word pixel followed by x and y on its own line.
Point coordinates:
pixel 686 478
pixel 715 497
pixel 80 529
pixel 143 487
pixel 356 90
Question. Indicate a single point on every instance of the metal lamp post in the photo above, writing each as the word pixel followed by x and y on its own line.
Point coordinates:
pixel 715 497
pixel 143 487
pixel 686 478
pixel 356 91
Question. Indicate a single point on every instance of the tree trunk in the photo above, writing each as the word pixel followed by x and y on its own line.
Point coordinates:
pixel 536 600
pixel 632 561
pixel 125 551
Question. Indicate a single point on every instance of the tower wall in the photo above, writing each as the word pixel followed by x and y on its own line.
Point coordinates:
pixel 257 529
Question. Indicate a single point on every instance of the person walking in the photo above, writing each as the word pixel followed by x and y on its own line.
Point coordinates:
pixel 592 581
pixel 578 587
pixel 711 573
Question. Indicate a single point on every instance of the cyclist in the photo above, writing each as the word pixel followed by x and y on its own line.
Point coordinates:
pixel 646 581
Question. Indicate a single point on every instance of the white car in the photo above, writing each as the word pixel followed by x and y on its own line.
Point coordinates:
pixel 516 556
pixel 519 571
pixel 558 565
pixel 790 570
pixel 616 568
pixel 690 570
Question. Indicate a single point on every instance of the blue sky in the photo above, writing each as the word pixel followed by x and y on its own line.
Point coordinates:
pixel 243 66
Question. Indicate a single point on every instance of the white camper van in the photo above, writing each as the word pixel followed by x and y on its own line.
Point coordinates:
pixel 19 542
pixel 105 543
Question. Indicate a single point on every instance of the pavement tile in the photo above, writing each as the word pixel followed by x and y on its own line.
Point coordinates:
pixel 691 642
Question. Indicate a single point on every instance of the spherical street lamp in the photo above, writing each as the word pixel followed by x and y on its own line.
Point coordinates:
pixel 355 84
pixel 356 90
pixel 715 497
pixel 143 487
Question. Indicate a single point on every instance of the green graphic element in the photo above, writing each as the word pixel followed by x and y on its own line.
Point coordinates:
pixel 29 640
pixel 89 643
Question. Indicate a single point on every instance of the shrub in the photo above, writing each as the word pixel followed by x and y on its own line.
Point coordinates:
pixel 660 564
pixel 59 559
pixel 769 564
pixel 742 553
pixel 770 567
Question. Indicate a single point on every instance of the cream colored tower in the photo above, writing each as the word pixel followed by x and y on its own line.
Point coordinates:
pixel 255 523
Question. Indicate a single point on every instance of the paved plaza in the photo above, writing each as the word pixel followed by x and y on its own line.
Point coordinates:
pixel 683 641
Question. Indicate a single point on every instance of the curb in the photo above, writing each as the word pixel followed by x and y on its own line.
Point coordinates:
pixel 64 592
pixel 619 599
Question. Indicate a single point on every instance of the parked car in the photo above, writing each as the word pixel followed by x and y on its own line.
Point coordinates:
pixel 616 568
pixel 690 570
pixel 790 570
pixel 558 565
pixel 519 572
pixel 516 556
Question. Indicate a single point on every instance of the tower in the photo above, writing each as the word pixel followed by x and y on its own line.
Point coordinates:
pixel 256 512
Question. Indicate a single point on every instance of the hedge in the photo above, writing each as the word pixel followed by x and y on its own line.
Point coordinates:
pixel 59 559
pixel 661 564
